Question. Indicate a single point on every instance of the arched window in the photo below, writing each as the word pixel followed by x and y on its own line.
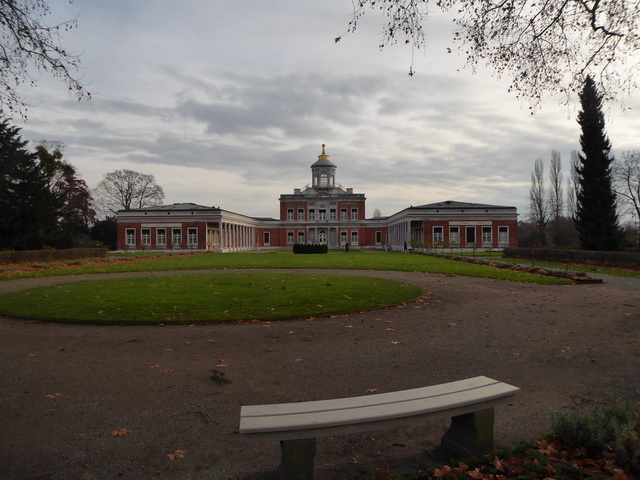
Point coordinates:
pixel 324 180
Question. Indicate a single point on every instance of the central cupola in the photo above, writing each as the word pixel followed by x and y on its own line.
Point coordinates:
pixel 323 172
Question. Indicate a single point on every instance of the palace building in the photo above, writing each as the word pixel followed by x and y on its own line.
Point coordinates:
pixel 322 212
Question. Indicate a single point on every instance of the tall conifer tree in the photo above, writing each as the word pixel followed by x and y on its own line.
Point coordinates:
pixel 26 206
pixel 596 218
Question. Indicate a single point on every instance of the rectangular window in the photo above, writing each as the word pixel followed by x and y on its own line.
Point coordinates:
pixel 332 214
pixel 470 233
pixel 192 237
pixel 290 238
pixel 486 235
pixel 267 239
pixel 454 235
pixel 176 237
pixel 290 214
pixel 312 214
pixel 354 214
pixel 438 235
pixel 354 237
pixel 146 237
pixel 343 237
pixel 300 214
pixel 503 235
pixel 323 214
pixel 161 237
pixel 130 237
pixel 378 238
pixel 300 237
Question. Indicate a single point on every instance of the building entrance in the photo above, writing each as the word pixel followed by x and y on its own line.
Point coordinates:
pixel 322 237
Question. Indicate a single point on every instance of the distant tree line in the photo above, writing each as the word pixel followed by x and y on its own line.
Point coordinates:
pixel 44 202
pixel 598 190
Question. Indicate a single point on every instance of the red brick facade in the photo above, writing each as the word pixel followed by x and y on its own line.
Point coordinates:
pixel 324 212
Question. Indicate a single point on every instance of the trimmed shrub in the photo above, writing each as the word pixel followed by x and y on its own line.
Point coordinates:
pixel 310 248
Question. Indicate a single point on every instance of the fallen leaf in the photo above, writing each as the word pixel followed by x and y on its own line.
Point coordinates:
pixel 298 359
pixel 32 355
pixel 221 365
pixel 391 329
pixel 121 432
pixel 441 473
pixel 167 370
pixel 291 332
pixel 176 454
pixel 372 390
pixel 53 395
pixel 476 474
pixel 81 436
pixel 155 365
pixel 100 312
pixel 395 342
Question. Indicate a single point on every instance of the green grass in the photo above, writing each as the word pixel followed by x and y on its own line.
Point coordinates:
pixel 354 260
pixel 206 298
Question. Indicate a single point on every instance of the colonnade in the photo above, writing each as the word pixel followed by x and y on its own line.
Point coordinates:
pixel 235 237
pixel 398 234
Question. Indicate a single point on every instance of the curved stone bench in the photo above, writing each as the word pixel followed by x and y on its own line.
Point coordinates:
pixel 469 403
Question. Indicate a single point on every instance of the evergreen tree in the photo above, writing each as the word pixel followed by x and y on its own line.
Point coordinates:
pixel 26 205
pixel 106 232
pixel 596 218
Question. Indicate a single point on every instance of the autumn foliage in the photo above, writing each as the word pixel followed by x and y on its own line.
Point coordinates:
pixel 585 445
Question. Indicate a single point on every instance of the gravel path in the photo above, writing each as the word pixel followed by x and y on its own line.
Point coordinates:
pixel 67 388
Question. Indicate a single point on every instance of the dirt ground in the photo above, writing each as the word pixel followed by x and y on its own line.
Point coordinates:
pixel 66 390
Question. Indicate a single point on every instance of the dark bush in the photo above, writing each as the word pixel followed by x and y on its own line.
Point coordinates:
pixel 606 430
pixel 310 248
pixel 49 254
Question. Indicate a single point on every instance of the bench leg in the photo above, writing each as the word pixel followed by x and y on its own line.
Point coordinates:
pixel 470 434
pixel 297 459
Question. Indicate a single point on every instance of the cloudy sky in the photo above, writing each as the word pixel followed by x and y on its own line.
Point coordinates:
pixel 227 103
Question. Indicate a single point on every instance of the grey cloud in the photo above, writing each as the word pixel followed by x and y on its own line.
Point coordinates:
pixel 300 105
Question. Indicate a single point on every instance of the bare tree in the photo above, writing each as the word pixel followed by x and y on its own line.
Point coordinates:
pixel 556 197
pixel 125 190
pixel 538 205
pixel 26 41
pixel 626 180
pixel 548 46
pixel 573 185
